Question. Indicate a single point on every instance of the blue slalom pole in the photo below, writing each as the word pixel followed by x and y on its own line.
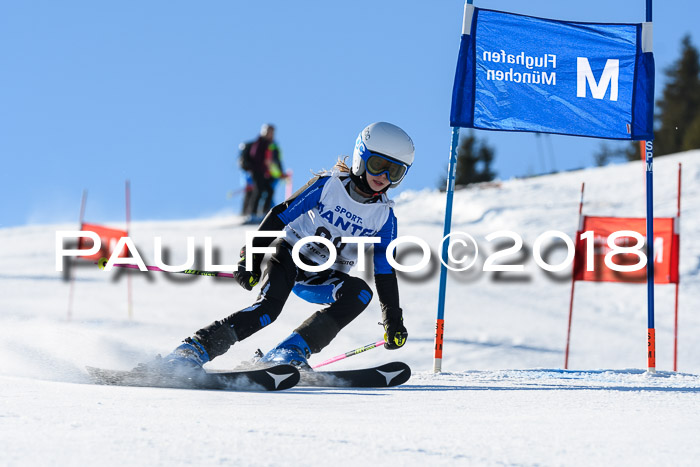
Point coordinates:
pixel 649 159
pixel 440 323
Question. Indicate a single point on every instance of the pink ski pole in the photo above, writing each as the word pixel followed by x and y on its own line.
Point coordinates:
pixel 350 353
pixel 194 272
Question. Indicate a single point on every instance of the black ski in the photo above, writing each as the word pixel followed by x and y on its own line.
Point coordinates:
pixel 274 378
pixel 387 375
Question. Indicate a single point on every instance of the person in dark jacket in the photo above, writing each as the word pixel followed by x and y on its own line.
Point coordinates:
pixel 262 160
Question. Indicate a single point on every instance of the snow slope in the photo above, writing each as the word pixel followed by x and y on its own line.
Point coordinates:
pixel 503 398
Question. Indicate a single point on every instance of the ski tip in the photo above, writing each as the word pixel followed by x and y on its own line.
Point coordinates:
pixel 283 376
pixel 396 373
pixel 383 376
pixel 271 378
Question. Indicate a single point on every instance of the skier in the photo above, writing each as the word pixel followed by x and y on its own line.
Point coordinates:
pixel 345 202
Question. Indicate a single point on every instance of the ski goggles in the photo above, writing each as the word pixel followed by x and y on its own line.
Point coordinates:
pixel 377 164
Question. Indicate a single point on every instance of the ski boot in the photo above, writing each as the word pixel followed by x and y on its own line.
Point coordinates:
pixel 293 351
pixel 189 357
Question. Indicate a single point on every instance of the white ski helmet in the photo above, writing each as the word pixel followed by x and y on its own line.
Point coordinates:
pixel 383 148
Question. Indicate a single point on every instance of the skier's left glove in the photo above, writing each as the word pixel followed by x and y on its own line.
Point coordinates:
pixel 248 279
pixel 395 334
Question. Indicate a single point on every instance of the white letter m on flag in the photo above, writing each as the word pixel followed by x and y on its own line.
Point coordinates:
pixel 598 90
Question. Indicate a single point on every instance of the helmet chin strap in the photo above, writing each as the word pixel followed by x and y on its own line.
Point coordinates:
pixel 361 183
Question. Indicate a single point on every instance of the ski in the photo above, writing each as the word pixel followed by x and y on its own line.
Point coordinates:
pixel 387 375
pixel 273 378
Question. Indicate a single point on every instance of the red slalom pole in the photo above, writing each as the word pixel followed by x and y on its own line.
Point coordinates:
pixel 573 281
pixel 675 321
pixel 83 202
pixel 350 353
pixel 129 294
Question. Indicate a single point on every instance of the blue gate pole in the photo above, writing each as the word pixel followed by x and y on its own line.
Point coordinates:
pixel 440 323
pixel 649 159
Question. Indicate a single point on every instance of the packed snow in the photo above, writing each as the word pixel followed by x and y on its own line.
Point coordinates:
pixel 503 396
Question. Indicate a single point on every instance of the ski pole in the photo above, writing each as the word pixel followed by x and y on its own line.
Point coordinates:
pixel 350 353
pixel 194 272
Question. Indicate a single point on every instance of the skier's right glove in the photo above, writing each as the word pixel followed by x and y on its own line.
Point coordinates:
pixel 248 279
pixel 395 334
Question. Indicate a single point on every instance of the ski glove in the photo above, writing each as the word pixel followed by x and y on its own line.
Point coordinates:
pixel 395 334
pixel 248 279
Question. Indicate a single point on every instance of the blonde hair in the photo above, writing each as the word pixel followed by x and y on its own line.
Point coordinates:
pixel 340 166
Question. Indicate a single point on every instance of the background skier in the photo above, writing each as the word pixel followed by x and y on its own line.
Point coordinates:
pixel 262 162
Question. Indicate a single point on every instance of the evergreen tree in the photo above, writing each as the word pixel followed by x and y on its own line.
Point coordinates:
pixel 679 108
pixel 474 160
pixel 605 154
pixel 691 139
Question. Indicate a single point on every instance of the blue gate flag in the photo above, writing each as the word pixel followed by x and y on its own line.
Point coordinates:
pixel 520 73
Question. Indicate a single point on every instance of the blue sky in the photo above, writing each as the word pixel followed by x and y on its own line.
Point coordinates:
pixel 162 92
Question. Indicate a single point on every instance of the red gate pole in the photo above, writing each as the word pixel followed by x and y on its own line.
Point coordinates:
pixel 129 297
pixel 71 274
pixel 675 325
pixel 573 282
